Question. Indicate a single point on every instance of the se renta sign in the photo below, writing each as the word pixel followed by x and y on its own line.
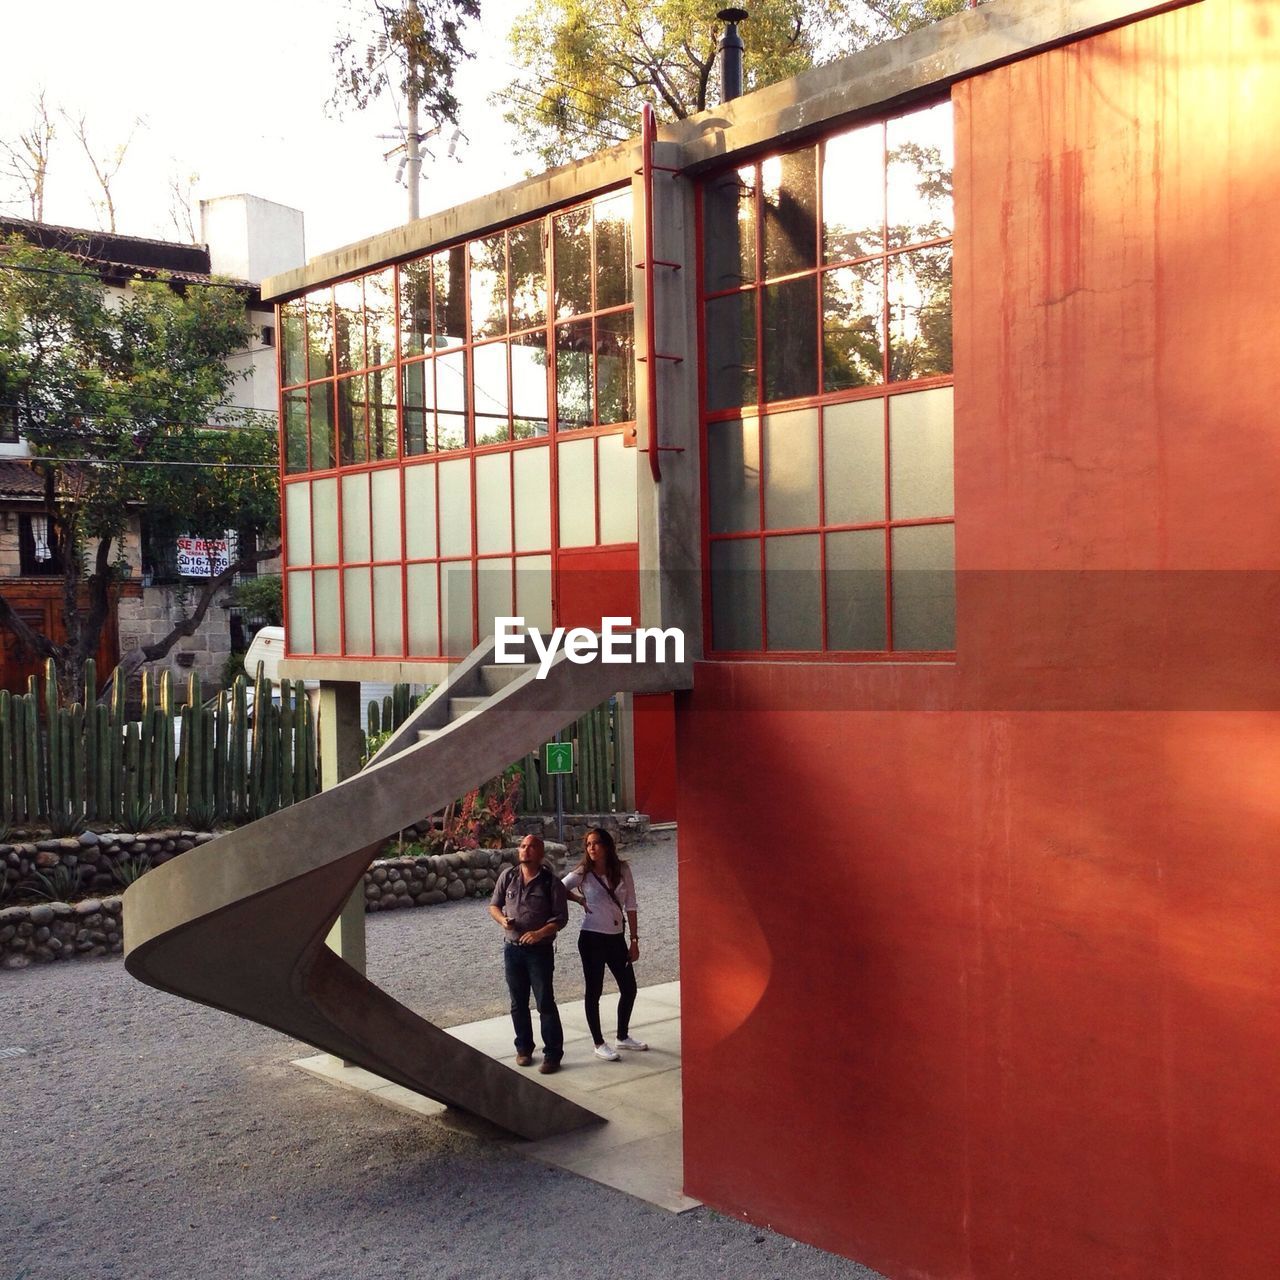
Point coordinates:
pixel 616 642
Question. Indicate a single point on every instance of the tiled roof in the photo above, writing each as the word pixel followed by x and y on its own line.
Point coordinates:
pixel 20 481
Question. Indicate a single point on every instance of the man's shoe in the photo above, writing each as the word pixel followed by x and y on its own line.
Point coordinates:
pixel 524 1059
pixel 630 1042
pixel 606 1051
pixel 549 1066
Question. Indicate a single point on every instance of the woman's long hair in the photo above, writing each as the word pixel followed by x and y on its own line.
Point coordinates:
pixel 612 863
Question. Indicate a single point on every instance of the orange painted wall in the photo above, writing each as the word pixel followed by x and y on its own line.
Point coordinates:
pixel 981 962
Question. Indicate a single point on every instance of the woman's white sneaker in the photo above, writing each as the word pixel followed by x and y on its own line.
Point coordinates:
pixel 629 1042
pixel 606 1052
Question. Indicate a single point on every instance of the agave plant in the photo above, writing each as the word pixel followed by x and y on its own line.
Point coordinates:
pixel 127 870
pixel 59 884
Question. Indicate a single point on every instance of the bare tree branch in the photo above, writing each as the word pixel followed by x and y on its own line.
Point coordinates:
pixel 27 160
pixel 105 168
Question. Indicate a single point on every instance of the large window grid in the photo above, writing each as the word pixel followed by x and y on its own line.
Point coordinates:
pixel 827 396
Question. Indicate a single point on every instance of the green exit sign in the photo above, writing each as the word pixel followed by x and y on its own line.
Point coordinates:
pixel 557 757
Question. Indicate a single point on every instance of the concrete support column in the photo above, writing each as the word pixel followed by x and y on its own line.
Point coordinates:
pixel 626 747
pixel 341 746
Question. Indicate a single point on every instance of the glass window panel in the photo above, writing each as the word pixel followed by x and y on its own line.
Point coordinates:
pixel 616 466
pixel 380 317
pixel 733 475
pixel 853 194
pixel 494 592
pixel 532 498
pixel 419 512
pixel 301 630
pixel 577 485
pixel 455 507
pixel 388 625
pixel 615 368
pixel 489 286
pixel 355 518
pixel 791 339
pixel 853 326
pixel 323 453
pixel 924 589
pixel 293 344
pixel 791 469
pixel 529 385
pixel 789 205
pixel 921 455
pixel 533 591
pixel 295 431
pixel 527 272
pixel 423 610
pixel 921 156
pixel 320 334
pixel 324 521
pixel 415 307
pixel 418 387
pixel 357 606
pixel 449 299
pixel 735 596
pixel 489 368
pixel 493 503
pixel 729 229
pixel 451 401
pixel 386 514
pixel 382 415
pixel 297 522
pixel 855 590
pixel 793 592
pixel 614 262
pixel 571 240
pixel 352 420
pixel 348 306
pixel 328 617
pixel 455 580
pixel 853 461
pixel 731 351
pixel 573 376
pixel 920 313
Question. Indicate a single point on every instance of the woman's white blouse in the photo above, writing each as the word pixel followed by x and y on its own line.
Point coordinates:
pixel 602 914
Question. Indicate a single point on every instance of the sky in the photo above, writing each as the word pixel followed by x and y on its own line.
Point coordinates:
pixel 236 93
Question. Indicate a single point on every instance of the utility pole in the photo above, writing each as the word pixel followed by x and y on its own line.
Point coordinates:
pixel 413 151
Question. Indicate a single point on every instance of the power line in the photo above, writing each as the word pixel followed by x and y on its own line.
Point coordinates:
pixel 533 98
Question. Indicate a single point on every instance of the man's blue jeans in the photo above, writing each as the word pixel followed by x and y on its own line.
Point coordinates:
pixel 531 969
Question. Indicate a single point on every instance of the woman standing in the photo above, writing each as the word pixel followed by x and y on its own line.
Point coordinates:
pixel 602 884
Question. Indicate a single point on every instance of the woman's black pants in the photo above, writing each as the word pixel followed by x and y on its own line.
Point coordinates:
pixel 598 950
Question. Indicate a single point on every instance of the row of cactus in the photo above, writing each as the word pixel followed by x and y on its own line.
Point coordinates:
pixel 392 711
pixel 89 763
pixel 592 787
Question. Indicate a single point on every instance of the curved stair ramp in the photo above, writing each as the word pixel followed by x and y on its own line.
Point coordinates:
pixel 240 923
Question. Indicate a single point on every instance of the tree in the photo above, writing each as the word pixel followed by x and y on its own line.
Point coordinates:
pixel 105 166
pixel 26 161
pixel 415 50
pixel 588 66
pixel 116 396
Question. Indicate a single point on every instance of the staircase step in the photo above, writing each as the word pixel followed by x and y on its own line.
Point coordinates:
pixel 497 676
pixel 425 735
pixel 459 707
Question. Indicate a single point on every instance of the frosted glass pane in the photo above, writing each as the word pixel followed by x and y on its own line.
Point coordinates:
pixel 327 616
pixel 733 474
pixel 358 610
pixel 533 499
pixel 617 487
pixel 455 508
pixel 924 590
pixel 386 515
pixel 855 590
pixel 324 521
pixel 493 589
pixel 424 611
pixel 921 455
pixel 419 512
pixel 791 469
pixel 493 503
pixel 735 595
pixel 297 516
pixel 355 518
pixel 793 592
pixel 387 621
pixel 578 493
pixel 533 591
pixel 455 580
pixel 301 632
pixel 853 461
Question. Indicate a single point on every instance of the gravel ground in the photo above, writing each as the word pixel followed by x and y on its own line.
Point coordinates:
pixel 143 1136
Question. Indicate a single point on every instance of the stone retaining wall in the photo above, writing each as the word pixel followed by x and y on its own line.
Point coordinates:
pixel 59 931
pixel 626 828
pixel 392 883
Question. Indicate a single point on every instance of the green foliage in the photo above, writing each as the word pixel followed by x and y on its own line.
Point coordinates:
pixel 58 884
pixel 374 742
pixel 261 597
pixel 232 667
pixel 127 870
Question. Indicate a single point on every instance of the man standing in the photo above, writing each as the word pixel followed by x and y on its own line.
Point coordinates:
pixel 531 906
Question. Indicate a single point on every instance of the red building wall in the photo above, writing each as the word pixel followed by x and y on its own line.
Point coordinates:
pixel 980 961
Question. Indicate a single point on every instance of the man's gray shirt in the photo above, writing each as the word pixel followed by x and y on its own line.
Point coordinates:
pixel 530 905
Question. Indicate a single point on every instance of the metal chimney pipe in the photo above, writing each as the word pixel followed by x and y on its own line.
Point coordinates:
pixel 731 48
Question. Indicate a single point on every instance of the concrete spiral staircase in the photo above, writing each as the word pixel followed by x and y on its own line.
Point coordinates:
pixel 240 923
